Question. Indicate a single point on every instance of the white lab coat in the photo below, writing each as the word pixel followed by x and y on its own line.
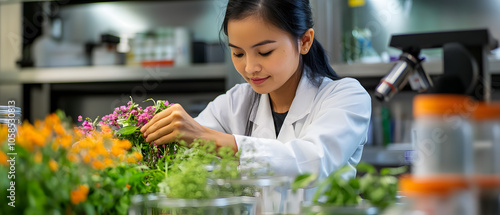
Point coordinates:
pixel 325 129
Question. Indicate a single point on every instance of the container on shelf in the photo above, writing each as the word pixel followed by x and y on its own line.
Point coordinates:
pixel 442 135
pixel 163 47
pixel 486 119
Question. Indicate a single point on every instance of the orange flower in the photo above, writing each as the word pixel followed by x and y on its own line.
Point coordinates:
pixel 29 136
pixel 79 195
pixel 117 151
pixel 92 153
pixel 59 129
pixel 38 157
pixel 86 158
pixel 78 133
pixel 4 130
pixel 52 120
pixel 106 131
pixel 131 159
pixel 65 141
pixel 38 123
pixel 137 155
pixel 53 165
pixel 101 150
pixel 98 165
pixel 3 159
pixel 22 137
pixel 128 186
pixel 108 162
pixel 125 144
pixel 72 157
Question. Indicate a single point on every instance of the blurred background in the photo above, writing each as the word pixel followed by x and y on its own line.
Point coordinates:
pixel 87 57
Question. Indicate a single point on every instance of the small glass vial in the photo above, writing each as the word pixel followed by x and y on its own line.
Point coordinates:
pixel 442 134
pixel 436 195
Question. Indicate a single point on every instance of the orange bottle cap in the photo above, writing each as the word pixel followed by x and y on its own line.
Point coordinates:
pixel 432 185
pixel 487 181
pixel 443 104
pixel 487 111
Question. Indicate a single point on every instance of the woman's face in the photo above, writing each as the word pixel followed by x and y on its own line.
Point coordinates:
pixel 263 54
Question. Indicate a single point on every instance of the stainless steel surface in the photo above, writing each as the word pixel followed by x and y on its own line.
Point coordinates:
pixel 113 74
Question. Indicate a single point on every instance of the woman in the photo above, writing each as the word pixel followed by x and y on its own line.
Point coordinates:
pixel 294 113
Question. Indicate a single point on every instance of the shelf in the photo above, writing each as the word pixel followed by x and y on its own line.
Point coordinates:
pixel 112 74
pixel 197 71
pixel 72 2
pixel 2 2
pixel 358 70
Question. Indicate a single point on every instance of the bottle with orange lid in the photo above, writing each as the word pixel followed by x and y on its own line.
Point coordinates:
pixel 446 194
pixel 442 134
pixel 486 118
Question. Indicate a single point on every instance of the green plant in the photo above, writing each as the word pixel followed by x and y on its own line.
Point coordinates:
pixel 126 121
pixel 378 189
pixel 190 172
pixel 59 170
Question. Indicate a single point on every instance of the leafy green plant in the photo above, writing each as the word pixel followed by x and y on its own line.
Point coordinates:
pixel 59 170
pixel 377 188
pixel 190 171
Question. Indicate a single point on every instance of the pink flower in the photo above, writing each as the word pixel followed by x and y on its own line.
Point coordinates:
pixel 166 103
pixel 80 118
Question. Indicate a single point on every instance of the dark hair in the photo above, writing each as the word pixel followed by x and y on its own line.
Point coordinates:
pixel 292 16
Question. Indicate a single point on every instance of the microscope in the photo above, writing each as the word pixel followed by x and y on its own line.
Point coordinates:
pixel 465 64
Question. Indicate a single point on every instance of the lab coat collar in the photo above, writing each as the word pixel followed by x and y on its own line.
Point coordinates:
pixel 301 107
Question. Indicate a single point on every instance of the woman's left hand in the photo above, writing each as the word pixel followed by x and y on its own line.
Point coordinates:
pixel 172 124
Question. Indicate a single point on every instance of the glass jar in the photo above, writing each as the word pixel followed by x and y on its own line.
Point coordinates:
pixel 10 115
pixel 435 195
pixel 271 192
pixel 159 204
pixel 442 135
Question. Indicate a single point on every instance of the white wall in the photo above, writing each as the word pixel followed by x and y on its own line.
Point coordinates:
pixel 10 50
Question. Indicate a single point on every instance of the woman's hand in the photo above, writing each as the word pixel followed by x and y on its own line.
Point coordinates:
pixel 171 124
pixel 175 123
